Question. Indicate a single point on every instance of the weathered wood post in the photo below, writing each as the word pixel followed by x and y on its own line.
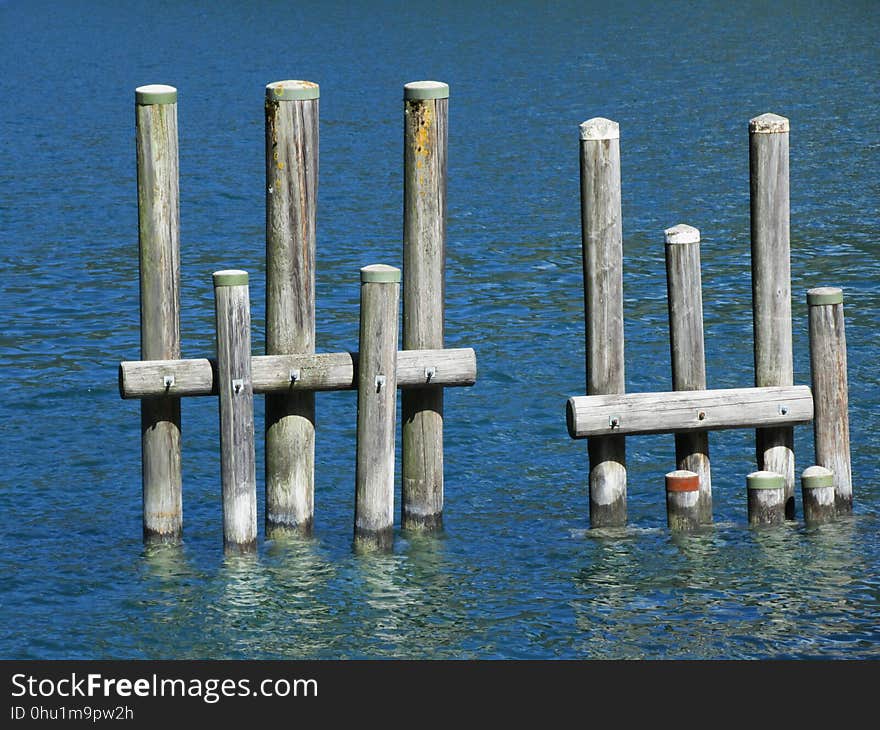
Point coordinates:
pixel 817 490
pixel 237 455
pixel 159 245
pixel 602 241
pixel 766 497
pixel 377 405
pixel 426 111
pixel 830 389
pixel 685 302
pixel 771 284
pixel 683 500
pixel 291 200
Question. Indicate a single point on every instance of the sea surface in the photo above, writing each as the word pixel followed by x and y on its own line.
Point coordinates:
pixel 517 573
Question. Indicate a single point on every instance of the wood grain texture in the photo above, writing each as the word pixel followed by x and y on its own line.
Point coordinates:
pixel 159 254
pixel 765 506
pixel 685 304
pixel 376 413
pixel 818 495
pixel 237 449
pixel 771 284
pixel 828 365
pixel 688 411
pixel 424 268
pixel 455 367
pixel 291 203
pixel 602 248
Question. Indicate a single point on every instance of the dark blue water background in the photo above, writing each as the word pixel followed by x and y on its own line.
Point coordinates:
pixel 516 573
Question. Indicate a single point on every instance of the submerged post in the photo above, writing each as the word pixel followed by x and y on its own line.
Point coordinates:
pixel 771 284
pixel 683 500
pixel 685 302
pixel 830 389
pixel 159 245
pixel 237 459
pixel 291 201
pixel 377 406
pixel 602 241
pixel 766 498
pixel 426 105
pixel 817 490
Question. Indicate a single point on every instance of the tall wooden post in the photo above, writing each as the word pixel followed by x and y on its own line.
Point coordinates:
pixel 426 105
pixel 830 389
pixel 159 244
pixel 771 284
pixel 817 490
pixel 235 387
pixel 291 200
pixel 766 498
pixel 377 406
pixel 685 302
pixel 602 239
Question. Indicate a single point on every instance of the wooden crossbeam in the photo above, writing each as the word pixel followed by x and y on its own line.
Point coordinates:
pixel 285 373
pixel 684 411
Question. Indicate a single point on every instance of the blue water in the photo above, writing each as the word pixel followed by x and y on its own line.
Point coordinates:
pixel 516 574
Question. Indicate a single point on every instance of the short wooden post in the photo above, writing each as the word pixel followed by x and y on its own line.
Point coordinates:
pixel 291 200
pixel 159 244
pixel 685 302
pixel 602 242
pixel 237 456
pixel 766 493
pixel 771 284
pixel 830 389
pixel 683 500
pixel 377 405
pixel 817 490
pixel 426 105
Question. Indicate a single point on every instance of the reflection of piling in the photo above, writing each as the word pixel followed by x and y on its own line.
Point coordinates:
pixel 683 500
pixel 771 284
pixel 159 243
pixel 829 378
pixel 237 460
pixel 377 405
pixel 685 302
pixel 817 489
pixel 602 243
pixel 291 201
pixel 766 498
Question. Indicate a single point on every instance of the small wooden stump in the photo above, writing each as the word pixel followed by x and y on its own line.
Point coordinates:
pixel 683 500
pixel 817 485
pixel 766 493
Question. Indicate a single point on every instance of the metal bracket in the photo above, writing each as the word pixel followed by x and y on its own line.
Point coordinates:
pixel 614 421
pixel 237 385
pixel 783 410
pixel 295 375
pixel 430 373
pixel 380 383
pixel 168 381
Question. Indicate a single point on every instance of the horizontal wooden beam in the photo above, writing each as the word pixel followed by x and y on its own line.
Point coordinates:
pixel 689 410
pixel 287 373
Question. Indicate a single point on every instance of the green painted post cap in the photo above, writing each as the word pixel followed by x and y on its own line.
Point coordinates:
pixel 230 277
pixel 292 90
pixel 765 480
pixel 380 274
pixel 768 124
pixel 416 90
pixel 817 477
pixel 824 295
pixel 682 233
pixel 155 94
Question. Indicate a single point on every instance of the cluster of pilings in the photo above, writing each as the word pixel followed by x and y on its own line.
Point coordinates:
pixel 291 371
pixel 772 407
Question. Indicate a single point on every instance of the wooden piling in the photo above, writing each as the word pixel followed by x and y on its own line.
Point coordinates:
pixel 237 455
pixel 159 246
pixel 771 283
pixel 426 111
pixel 683 500
pixel 291 201
pixel 766 497
pixel 817 490
pixel 602 241
pixel 685 303
pixel 377 405
pixel 830 389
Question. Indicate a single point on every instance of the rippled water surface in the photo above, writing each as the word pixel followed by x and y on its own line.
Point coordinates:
pixel 516 574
